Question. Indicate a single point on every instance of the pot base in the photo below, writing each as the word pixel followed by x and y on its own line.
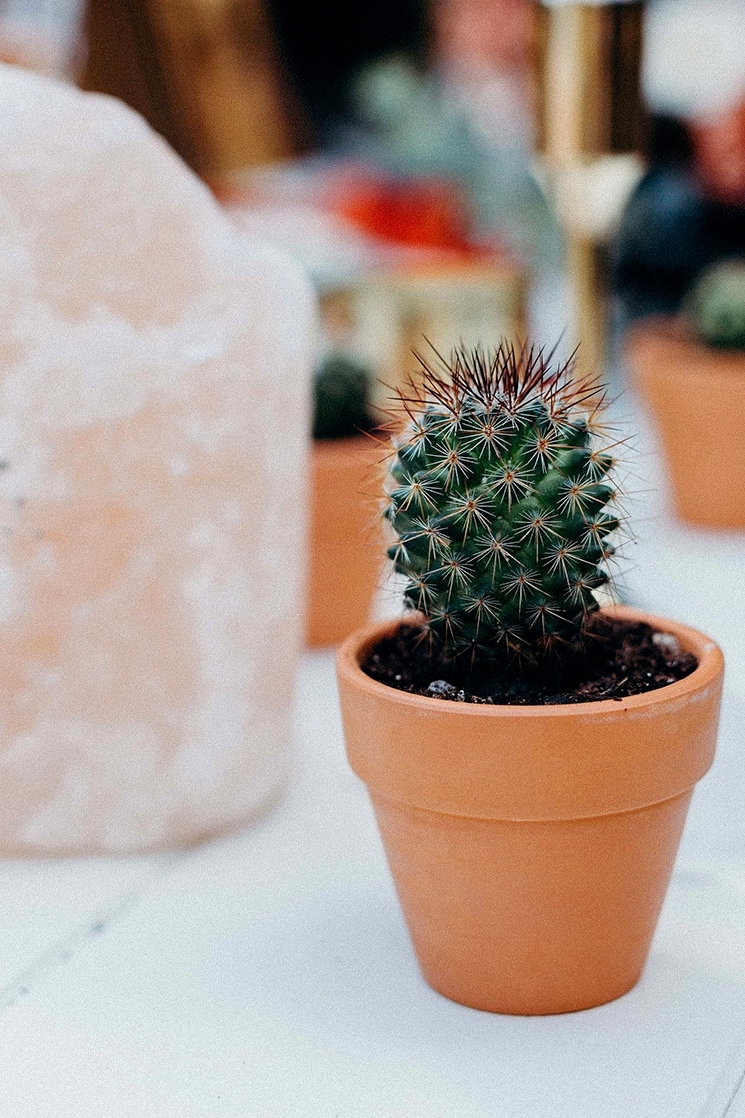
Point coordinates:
pixel 531 917
pixel 523 1009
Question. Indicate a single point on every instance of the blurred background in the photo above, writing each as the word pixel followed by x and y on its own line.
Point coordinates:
pixel 448 168
pixel 459 171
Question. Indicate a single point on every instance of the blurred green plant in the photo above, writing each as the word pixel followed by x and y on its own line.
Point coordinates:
pixel 341 390
pixel 715 308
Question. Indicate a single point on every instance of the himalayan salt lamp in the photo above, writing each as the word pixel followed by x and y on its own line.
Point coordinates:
pixel 153 379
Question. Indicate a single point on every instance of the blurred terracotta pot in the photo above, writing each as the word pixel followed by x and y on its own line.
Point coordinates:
pixel 531 847
pixel 697 397
pixel 346 558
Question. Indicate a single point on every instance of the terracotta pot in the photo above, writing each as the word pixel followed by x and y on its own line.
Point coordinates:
pixel 531 847
pixel 697 397
pixel 345 538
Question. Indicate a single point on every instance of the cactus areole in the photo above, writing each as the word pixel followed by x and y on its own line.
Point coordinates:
pixel 500 498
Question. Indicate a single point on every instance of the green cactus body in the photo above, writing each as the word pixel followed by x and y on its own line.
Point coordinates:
pixel 716 306
pixel 498 497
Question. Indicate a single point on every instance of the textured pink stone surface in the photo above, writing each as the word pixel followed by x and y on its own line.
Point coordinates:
pixel 153 414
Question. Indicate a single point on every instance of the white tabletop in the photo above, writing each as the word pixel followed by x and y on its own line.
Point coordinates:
pixel 268 974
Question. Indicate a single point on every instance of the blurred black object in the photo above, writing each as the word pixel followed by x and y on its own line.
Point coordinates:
pixel 340 405
pixel 325 43
pixel 673 228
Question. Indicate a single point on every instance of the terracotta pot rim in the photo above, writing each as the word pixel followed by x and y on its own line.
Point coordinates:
pixel 712 362
pixel 344 440
pixel 708 653
pixel 526 820
pixel 332 452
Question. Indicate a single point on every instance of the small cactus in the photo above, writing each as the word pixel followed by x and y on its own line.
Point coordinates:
pixel 716 305
pixel 340 398
pixel 498 498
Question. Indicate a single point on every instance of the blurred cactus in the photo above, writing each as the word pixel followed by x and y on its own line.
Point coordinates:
pixel 340 398
pixel 716 306
pixel 498 496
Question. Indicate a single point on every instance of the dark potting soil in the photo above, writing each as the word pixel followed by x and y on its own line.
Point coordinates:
pixel 617 658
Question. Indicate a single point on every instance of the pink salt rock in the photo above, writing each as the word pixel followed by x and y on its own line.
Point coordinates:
pixel 154 368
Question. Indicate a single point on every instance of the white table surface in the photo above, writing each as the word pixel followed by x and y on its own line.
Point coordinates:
pixel 268 974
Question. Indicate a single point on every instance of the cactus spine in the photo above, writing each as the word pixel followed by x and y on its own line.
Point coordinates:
pixel 498 498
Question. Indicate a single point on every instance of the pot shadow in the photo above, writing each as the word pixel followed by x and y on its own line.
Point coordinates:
pixel 335 969
pixel 340 962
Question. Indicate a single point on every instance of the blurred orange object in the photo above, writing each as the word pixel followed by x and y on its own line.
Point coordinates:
pixel 697 397
pixel 347 549
pixel 421 213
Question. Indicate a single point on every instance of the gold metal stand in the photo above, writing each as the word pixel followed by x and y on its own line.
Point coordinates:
pixel 589 110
